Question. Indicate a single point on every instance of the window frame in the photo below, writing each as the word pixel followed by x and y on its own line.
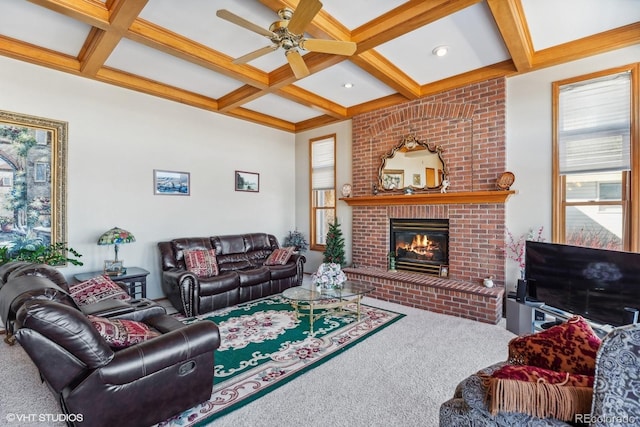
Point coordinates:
pixel 313 244
pixel 630 179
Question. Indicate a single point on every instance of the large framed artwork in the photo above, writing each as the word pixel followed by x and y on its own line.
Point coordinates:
pixel 33 180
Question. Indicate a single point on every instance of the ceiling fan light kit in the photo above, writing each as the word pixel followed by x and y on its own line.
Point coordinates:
pixel 287 33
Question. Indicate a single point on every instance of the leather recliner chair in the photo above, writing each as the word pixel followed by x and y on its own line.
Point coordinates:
pixel 137 386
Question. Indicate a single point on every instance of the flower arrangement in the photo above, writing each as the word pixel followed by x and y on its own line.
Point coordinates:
pixel 329 276
pixel 514 248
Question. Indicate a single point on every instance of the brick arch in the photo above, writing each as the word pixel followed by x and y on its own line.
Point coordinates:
pixel 421 111
pixel 12 161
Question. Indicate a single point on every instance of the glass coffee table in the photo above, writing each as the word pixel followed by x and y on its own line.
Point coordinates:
pixel 329 301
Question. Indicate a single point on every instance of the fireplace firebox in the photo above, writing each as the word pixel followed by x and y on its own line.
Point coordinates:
pixel 420 245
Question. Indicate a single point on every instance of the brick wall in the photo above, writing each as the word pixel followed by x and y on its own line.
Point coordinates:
pixel 469 123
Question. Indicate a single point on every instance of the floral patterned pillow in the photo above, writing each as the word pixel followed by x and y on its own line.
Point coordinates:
pixel 202 263
pixel 120 333
pixel 97 289
pixel 569 347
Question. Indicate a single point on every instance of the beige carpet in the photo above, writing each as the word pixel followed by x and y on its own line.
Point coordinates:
pixel 399 376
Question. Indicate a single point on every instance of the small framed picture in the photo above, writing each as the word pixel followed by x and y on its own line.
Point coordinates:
pixel 171 183
pixel 113 268
pixel 247 181
pixel 444 271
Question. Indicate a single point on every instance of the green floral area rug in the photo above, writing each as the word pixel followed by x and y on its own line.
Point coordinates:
pixel 264 346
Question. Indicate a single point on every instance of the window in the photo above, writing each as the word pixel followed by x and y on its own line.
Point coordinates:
pixel 595 186
pixel 322 153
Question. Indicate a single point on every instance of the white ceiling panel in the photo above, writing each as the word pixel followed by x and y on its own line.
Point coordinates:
pixel 354 13
pixel 554 22
pixel 41 27
pixel 146 62
pixel 281 108
pixel 471 36
pixel 330 83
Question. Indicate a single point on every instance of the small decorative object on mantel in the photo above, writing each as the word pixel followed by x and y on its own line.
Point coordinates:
pixel 445 185
pixel 488 282
pixel 505 181
pixel 444 271
pixel 409 191
pixel 329 276
pixel 346 190
pixel 375 189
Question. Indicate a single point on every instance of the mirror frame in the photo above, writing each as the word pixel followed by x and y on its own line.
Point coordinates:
pixel 410 142
pixel 56 175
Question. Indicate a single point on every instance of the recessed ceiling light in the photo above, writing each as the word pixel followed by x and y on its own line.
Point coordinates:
pixel 440 50
pixel 348 85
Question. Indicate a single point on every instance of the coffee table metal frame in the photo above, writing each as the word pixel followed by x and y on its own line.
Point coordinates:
pixel 331 301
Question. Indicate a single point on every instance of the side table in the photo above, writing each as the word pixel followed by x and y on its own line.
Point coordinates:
pixel 135 278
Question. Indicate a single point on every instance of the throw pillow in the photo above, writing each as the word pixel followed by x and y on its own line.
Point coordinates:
pixel 201 262
pixel 120 333
pixel 280 256
pixel 97 289
pixel 569 347
pixel 539 392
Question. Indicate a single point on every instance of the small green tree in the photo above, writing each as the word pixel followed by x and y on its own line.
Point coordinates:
pixel 334 250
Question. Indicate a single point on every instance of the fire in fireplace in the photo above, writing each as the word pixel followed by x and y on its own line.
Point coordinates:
pixel 420 245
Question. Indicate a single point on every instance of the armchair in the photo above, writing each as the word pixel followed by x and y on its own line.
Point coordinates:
pixel 139 385
pixel 616 396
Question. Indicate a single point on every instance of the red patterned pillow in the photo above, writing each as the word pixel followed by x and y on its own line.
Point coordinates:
pixel 537 375
pixel 95 290
pixel 569 347
pixel 120 333
pixel 202 263
pixel 280 256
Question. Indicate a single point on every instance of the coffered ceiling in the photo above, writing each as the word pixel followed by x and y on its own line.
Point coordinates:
pixel 180 50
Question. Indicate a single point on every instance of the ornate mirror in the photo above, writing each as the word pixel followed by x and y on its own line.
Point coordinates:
pixel 412 164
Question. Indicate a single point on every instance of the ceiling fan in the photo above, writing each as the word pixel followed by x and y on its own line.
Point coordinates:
pixel 288 33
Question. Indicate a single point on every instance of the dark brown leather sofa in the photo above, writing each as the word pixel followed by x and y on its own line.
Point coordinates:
pixel 140 385
pixel 242 274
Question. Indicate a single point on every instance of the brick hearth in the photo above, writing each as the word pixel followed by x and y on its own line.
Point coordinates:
pixel 469 123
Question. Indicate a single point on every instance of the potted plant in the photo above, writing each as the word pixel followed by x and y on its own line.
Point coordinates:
pixel 297 240
pixel 55 254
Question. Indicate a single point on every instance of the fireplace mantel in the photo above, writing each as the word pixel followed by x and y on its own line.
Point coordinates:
pixel 462 197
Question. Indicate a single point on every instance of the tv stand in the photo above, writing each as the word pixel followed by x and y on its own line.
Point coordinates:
pixel 522 318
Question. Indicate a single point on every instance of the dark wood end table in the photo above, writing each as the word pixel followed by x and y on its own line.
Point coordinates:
pixel 135 278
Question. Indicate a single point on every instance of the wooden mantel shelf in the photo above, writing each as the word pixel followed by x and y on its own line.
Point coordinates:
pixel 463 197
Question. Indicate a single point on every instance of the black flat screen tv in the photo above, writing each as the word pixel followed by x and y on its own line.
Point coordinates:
pixel 600 285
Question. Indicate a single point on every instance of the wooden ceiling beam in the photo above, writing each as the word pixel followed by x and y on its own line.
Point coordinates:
pixel 26 52
pixel 162 90
pixel 403 19
pixel 588 46
pixel 500 69
pixel 376 104
pixel 176 45
pixel 382 69
pixel 91 12
pixel 262 119
pixel 316 122
pixel 101 43
pixel 509 18
pixel 240 96
pixel 311 100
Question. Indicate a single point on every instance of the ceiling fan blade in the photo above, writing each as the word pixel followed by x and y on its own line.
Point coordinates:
pixel 335 47
pixel 297 64
pixel 255 54
pixel 235 19
pixel 303 14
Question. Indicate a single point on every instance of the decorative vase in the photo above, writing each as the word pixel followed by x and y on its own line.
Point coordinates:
pixel 488 282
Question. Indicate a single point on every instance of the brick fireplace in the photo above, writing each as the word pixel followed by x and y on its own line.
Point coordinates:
pixel 469 124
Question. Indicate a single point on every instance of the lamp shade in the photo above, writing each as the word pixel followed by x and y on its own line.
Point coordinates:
pixel 116 236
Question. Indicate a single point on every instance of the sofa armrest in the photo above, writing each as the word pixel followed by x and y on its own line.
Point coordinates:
pixel 473 389
pixel 184 283
pixel 107 308
pixel 167 350
pixel 299 260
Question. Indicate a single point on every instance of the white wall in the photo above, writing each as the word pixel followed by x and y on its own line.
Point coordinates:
pixel 117 137
pixel 342 131
pixel 529 140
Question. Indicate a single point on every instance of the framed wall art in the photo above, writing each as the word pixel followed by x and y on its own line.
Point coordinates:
pixel 247 181
pixel 171 183
pixel 33 161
